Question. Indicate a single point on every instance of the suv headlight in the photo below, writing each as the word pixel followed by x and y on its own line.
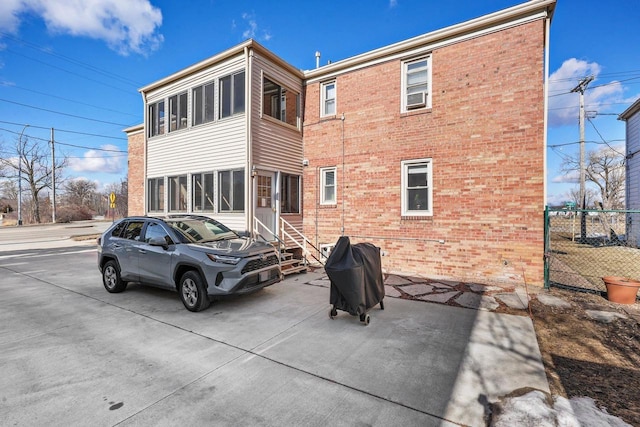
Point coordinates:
pixel 224 259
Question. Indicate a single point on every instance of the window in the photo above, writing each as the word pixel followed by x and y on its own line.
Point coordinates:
pixel 178 193
pixel 328 99
pixel 264 191
pixel 280 103
pixel 178 111
pixel 417 74
pixel 417 188
pixel 290 194
pixel 156 118
pixel 155 194
pixel 231 94
pixel 202 189
pixel 231 191
pixel 328 186
pixel 154 230
pixel 132 232
pixel 203 100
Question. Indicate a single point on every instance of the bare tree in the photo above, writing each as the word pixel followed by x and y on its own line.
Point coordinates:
pixel 32 164
pixel 121 190
pixel 605 169
pixel 9 189
pixel 80 192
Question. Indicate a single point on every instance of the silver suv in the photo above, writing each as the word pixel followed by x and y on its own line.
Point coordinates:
pixel 195 255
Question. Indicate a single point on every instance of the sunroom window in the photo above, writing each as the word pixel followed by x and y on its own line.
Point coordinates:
pixel 280 103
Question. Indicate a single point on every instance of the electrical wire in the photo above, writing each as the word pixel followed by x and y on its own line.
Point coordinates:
pixel 65 131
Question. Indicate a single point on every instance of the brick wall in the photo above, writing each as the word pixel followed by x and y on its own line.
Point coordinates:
pixel 136 173
pixel 484 134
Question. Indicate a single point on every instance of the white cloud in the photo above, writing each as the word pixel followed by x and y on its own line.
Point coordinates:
pixel 252 31
pixel 99 161
pixel 564 105
pixel 128 26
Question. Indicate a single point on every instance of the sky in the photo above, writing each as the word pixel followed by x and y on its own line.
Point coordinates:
pixel 76 66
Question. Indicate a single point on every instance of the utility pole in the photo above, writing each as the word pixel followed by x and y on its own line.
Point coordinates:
pixel 582 86
pixel 20 152
pixel 53 178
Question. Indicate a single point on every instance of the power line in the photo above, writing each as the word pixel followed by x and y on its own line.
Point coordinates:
pixel 70 72
pixel 74 61
pixel 64 143
pixel 64 114
pixel 66 99
pixel 66 131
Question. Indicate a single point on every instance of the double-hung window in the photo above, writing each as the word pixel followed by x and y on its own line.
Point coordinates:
pixel 231 89
pixel 156 118
pixel 178 111
pixel 231 191
pixel 417 195
pixel 328 99
pixel 416 84
pixel 178 193
pixel 155 195
pixel 328 186
pixel 202 192
pixel 202 100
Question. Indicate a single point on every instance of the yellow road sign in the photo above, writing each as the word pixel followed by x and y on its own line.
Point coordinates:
pixel 112 205
pixel 112 198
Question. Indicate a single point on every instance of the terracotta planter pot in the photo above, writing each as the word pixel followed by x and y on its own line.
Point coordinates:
pixel 621 289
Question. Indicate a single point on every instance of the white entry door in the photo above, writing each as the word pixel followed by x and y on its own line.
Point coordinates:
pixel 266 203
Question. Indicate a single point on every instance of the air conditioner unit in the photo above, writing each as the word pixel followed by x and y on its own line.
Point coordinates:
pixel 325 251
pixel 416 100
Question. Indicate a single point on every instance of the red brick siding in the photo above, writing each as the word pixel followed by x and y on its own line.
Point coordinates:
pixel 136 173
pixel 485 136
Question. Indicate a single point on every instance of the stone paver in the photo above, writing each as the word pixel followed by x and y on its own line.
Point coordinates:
pixel 394 280
pixel 554 301
pixel 441 297
pixel 417 289
pixel 440 285
pixel 513 300
pixel 605 316
pixel 483 288
pixel 390 291
pixel 481 302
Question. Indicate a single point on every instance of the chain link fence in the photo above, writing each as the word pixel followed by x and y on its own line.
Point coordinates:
pixel 582 246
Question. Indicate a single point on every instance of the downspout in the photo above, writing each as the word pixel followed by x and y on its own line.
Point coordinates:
pixel 144 155
pixel 248 172
pixel 546 103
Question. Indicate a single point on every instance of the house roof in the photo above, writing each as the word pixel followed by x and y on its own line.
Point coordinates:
pixel 531 10
pixel 525 12
pixel 229 53
pixel 629 112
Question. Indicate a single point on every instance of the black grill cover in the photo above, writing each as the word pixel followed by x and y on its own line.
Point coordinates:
pixel 356 278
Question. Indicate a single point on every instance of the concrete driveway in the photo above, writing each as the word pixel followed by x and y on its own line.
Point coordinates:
pixel 73 354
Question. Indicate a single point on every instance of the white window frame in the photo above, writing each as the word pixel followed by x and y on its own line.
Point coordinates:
pixel 324 99
pixel 404 94
pixel 406 164
pixel 323 186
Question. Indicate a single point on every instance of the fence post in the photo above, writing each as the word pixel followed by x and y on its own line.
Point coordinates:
pixel 546 247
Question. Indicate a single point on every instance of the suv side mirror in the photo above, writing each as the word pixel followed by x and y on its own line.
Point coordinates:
pixel 158 241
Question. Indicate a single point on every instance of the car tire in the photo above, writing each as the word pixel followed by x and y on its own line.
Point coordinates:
pixel 111 278
pixel 193 292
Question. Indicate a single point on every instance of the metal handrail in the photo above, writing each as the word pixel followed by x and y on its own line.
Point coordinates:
pixel 304 239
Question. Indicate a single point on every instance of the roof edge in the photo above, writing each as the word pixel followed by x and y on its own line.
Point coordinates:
pixel 633 109
pixel 482 22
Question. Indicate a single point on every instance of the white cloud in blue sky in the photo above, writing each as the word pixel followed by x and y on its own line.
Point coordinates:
pixel 564 105
pixel 127 26
pixel 253 31
pixel 99 161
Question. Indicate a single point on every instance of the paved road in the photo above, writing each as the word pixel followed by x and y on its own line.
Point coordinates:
pixel 73 354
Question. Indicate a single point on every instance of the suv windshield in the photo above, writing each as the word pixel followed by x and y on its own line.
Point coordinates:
pixel 201 230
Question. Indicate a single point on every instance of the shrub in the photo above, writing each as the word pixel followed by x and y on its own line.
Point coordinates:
pixel 73 213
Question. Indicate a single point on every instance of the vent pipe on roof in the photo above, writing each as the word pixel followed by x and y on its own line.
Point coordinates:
pixel 317 59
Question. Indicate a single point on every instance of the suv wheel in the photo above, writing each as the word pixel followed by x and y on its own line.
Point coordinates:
pixel 111 278
pixel 192 291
